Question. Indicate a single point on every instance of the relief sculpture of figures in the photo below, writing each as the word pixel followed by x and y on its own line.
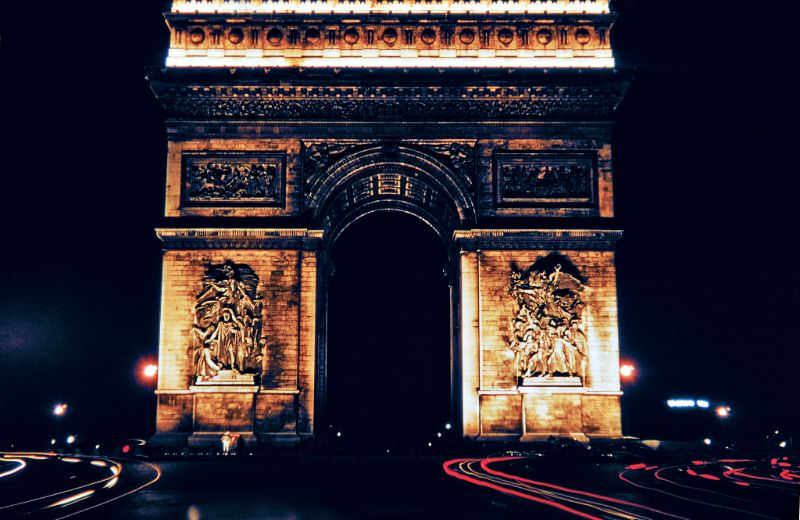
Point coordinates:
pixel 226 335
pixel 546 334
pixel 218 181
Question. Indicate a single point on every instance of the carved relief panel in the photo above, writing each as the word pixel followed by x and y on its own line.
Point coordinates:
pixel 233 179
pixel 226 342
pixel 549 179
pixel 547 337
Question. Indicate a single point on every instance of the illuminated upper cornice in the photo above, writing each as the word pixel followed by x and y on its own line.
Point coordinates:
pixel 234 7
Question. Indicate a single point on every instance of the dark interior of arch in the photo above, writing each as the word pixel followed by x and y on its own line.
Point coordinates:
pixel 388 334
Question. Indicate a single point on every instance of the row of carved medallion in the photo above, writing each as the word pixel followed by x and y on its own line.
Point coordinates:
pixel 561 179
pixel 500 35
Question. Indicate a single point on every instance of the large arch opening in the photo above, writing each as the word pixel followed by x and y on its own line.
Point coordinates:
pixel 389 332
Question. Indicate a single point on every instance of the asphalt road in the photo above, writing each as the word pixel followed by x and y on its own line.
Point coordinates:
pixel 320 488
pixel 49 486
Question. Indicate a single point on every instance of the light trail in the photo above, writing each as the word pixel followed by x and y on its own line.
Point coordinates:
pixel 135 490
pixel 114 469
pixel 74 498
pixel 486 462
pixel 479 472
pixel 658 476
pixel 20 466
pixel 480 482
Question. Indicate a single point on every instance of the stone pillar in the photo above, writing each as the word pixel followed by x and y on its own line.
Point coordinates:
pixel 470 344
pixel 272 406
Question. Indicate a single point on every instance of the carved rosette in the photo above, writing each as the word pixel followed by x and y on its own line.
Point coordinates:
pixel 226 335
pixel 547 336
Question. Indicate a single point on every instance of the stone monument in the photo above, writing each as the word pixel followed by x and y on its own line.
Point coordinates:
pixel 287 120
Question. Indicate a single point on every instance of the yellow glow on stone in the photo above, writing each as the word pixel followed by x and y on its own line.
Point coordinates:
pixel 388 62
pixel 374 6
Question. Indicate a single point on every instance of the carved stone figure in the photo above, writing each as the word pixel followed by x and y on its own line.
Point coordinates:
pixel 539 179
pixel 227 322
pixel 233 181
pixel 546 335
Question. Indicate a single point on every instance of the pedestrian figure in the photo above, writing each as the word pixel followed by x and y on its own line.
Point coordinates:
pixel 226 443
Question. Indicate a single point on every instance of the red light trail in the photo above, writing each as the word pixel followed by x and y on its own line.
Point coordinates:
pixel 479 472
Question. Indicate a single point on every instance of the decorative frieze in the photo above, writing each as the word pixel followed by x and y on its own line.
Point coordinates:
pixel 565 179
pixel 380 103
pixel 223 179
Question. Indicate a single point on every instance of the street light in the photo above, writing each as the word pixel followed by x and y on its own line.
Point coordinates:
pixel 627 371
pixel 150 371
pixel 71 439
pixel 723 412
pixel 60 410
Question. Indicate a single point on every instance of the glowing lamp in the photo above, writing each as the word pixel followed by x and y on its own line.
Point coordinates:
pixel 707 441
pixel 150 371
pixel 627 371
pixel 71 439
pixel 782 444
pixel 59 410
pixel 723 411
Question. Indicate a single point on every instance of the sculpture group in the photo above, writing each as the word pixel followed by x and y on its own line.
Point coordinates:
pixel 547 337
pixel 215 181
pixel 226 335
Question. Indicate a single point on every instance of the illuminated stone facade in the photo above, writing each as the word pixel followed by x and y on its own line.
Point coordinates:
pixel 289 120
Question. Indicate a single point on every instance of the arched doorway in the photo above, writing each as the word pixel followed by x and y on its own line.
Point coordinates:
pixel 389 333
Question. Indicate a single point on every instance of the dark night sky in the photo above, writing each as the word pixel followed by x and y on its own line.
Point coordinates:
pixel 705 167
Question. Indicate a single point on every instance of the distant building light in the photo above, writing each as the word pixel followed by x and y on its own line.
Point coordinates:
pixel 681 403
pixel 338 434
pixel 723 411
pixel 71 439
pixel 702 403
pixel 782 444
pixel 448 426
pixel 60 409
pixel 707 441
pixel 52 442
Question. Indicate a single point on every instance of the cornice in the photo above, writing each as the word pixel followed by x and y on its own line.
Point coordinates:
pixel 229 238
pixel 537 239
